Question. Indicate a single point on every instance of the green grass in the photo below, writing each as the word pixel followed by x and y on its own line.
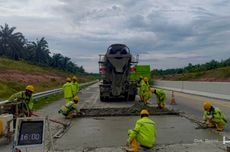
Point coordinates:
pixel 44 101
pixel 219 74
pixel 8 88
pixel 24 66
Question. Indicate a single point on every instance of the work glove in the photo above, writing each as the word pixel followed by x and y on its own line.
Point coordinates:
pixel 209 117
pixel 82 113
pixel 79 113
pixel 204 122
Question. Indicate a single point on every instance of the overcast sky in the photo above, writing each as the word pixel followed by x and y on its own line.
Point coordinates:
pixel 166 33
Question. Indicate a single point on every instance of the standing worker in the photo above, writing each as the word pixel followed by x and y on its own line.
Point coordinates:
pixel 26 98
pixel 145 93
pixel 75 85
pixel 161 97
pixel 67 88
pixel 144 133
pixel 140 82
pixel 70 110
pixel 213 116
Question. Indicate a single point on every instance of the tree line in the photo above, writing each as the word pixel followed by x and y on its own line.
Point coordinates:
pixel 213 64
pixel 15 46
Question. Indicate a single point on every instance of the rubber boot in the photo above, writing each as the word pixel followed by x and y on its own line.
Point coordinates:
pixel 211 124
pixel 133 147
pixel 69 116
pixel 220 126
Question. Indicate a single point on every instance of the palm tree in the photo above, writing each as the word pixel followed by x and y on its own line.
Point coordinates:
pixel 11 44
pixel 40 52
pixel 56 60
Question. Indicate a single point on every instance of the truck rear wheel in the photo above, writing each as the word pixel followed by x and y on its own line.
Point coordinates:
pixel 131 97
pixel 102 98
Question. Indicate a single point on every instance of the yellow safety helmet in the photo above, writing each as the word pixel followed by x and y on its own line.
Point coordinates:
pixel 146 79
pixel 144 112
pixel 30 88
pixel 68 79
pixel 76 98
pixel 74 78
pixel 207 105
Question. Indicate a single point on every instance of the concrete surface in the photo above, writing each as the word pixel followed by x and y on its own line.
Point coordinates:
pixel 196 147
pixel 193 105
pixel 112 132
pixel 90 134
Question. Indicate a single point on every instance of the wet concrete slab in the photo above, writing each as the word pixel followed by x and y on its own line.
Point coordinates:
pixel 99 132
pixel 196 147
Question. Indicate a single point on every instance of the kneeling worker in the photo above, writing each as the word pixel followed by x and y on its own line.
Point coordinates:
pixel 161 97
pixel 69 110
pixel 214 117
pixel 143 134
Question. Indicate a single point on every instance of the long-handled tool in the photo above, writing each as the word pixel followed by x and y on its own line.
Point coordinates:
pixel 62 131
pixel 53 120
pixel 201 125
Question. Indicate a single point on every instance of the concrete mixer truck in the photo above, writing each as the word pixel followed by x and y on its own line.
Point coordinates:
pixel 115 68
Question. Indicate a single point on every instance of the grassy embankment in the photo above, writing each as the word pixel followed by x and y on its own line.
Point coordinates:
pixel 15 75
pixel 220 74
pixel 48 100
pixel 12 84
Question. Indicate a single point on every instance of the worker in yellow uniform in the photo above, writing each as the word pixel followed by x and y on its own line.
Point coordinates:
pixel 144 133
pixel 145 93
pixel 67 88
pixel 75 86
pixel 213 117
pixel 139 87
pixel 26 98
pixel 70 110
pixel 1 128
pixel 161 97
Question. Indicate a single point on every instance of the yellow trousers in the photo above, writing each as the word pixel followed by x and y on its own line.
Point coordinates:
pixel 161 105
pixel 218 126
pixel 134 146
pixel 67 100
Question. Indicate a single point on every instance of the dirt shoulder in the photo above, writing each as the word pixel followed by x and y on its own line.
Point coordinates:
pixel 28 78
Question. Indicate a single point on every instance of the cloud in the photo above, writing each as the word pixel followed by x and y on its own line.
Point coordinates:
pixel 164 56
pixel 163 32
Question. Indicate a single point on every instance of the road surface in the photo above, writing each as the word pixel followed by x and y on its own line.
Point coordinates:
pixel 110 133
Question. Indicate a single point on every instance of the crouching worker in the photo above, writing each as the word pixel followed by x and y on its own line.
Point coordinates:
pixel 161 97
pixel 69 110
pixel 214 117
pixel 25 100
pixel 143 135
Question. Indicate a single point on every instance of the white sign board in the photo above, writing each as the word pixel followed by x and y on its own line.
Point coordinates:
pixel 29 132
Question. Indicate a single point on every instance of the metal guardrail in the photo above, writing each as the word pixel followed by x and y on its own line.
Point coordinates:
pixel 50 92
pixel 218 90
